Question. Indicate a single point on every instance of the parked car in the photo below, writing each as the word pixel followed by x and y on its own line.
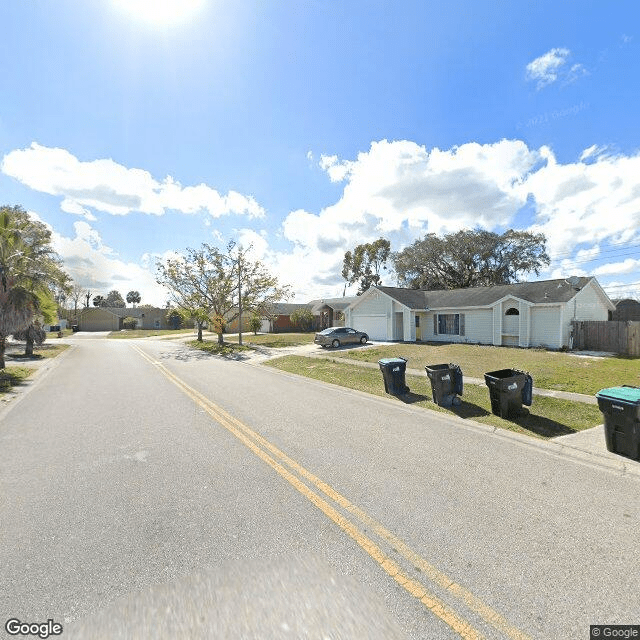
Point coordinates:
pixel 335 336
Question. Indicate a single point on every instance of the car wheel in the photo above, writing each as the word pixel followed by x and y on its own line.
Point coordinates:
pixel 364 339
pixel 335 343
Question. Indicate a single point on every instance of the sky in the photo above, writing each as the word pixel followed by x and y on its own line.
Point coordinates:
pixel 138 128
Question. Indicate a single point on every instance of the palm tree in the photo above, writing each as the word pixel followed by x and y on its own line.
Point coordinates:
pixel 29 270
pixel 133 297
pixel 17 309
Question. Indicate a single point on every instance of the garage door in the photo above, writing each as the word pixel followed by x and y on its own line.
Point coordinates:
pixel 374 326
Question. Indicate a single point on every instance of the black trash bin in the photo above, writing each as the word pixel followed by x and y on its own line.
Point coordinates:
pixel 75 327
pixel 621 409
pixel 393 372
pixel 509 389
pixel 446 383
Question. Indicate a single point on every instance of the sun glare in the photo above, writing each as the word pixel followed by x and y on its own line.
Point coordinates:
pixel 160 12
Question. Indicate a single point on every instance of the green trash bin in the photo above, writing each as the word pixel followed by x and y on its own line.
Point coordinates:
pixel 446 383
pixel 393 374
pixel 621 409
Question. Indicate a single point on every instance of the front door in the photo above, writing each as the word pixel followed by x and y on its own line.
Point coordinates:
pixel 418 328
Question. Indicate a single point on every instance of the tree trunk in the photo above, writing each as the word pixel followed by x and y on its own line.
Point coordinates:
pixel 28 350
pixel 220 339
pixel 2 344
pixel 199 331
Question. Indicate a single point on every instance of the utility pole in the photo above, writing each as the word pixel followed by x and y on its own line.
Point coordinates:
pixel 240 295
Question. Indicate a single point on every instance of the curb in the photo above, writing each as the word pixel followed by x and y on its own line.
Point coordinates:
pixel 622 466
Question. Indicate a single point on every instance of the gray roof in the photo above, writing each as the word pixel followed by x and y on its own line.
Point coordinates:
pixel 543 291
pixel 337 304
pixel 125 312
pixel 286 308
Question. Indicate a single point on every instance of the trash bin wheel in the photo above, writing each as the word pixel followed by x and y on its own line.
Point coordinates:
pixel 335 343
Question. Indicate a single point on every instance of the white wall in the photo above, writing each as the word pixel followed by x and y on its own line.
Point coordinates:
pixel 588 305
pixel 478 326
pixel 545 326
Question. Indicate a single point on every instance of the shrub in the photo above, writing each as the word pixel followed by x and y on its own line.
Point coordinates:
pixel 255 323
pixel 129 323
pixel 302 319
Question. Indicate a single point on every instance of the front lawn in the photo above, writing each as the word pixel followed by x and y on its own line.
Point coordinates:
pixel 145 333
pixel 224 349
pixel 549 369
pixel 547 417
pixel 45 350
pixel 275 340
pixel 12 377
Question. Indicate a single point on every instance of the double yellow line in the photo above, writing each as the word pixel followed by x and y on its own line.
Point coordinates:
pixel 284 465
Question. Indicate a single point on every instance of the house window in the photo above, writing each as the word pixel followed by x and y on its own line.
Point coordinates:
pixel 512 311
pixel 417 321
pixel 448 324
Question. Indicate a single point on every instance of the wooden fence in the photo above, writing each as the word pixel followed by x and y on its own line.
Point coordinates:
pixel 615 336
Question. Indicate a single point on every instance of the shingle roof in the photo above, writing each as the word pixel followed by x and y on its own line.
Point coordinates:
pixel 286 308
pixel 543 291
pixel 123 312
pixel 337 304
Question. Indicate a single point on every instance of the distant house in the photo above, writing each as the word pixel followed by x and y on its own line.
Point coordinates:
pixel 525 314
pixel 111 318
pixel 327 312
pixel 626 309
pixel 330 312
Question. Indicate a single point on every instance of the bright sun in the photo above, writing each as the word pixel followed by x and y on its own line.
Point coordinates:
pixel 160 12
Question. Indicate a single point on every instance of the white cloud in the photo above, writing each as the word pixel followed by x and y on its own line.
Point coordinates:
pixel 95 266
pixel 402 191
pixel 546 69
pixel 618 268
pixel 586 203
pixel 575 72
pixel 105 185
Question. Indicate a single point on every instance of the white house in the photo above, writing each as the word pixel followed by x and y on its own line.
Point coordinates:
pixel 526 314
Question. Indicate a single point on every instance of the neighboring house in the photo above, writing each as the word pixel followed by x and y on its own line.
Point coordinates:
pixel 526 314
pixel 110 318
pixel 280 317
pixel 330 312
pixel 627 309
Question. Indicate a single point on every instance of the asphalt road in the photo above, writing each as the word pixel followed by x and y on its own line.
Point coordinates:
pixel 149 491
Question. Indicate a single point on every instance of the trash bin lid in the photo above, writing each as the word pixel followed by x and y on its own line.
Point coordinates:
pixel 624 394
pixel 391 360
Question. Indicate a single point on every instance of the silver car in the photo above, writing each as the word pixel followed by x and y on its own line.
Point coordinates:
pixel 335 336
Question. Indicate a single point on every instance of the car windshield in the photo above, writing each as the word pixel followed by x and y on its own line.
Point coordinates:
pixel 326 332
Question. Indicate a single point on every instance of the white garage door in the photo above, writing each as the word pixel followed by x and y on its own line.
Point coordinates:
pixel 374 326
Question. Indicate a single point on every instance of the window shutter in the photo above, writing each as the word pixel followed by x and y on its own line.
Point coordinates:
pixel 462 324
pixel 435 324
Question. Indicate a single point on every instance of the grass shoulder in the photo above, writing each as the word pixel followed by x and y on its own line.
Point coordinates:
pixel 12 377
pixel 275 340
pixel 225 349
pixel 146 333
pixel 550 369
pixel 547 418
pixel 15 374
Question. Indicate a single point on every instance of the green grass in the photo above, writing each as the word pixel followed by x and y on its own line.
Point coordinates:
pixel 145 333
pixel 12 377
pixel 52 335
pixel 549 369
pixel 547 417
pixel 46 350
pixel 276 340
pixel 225 349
